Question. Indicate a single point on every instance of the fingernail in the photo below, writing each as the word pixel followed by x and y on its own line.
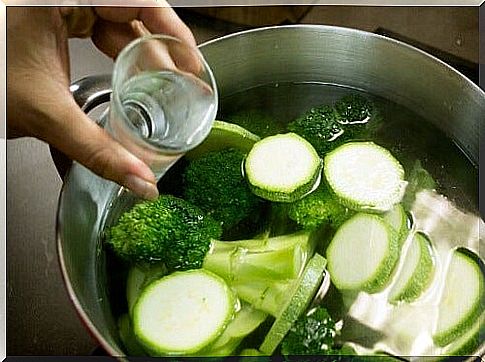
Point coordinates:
pixel 142 188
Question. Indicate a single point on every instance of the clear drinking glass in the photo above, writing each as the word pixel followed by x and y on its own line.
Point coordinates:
pixel 163 101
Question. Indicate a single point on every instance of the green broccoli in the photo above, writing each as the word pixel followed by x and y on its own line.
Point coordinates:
pixel 354 109
pixel 261 270
pixel 318 208
pixel 168 229
pixel 215 183
pixel 312 334
pixel 327 127
pixel 319 126
pixel 257 122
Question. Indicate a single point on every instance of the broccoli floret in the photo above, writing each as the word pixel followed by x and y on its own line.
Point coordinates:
pixel 262 270
pixel 318 208
pixel 327 127
pixel 354 109
pixel 319 126
pixel 168 229
pixel 256 122
pixel 215 183
pixel 312 334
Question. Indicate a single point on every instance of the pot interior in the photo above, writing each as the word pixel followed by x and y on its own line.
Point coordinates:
pixel 429 113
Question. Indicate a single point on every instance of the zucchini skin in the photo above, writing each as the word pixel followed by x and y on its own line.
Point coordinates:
pixel 307 287
pixel 417 284
pixel 445 337
pixel 468 344
pixel 288 197
pixel 383 274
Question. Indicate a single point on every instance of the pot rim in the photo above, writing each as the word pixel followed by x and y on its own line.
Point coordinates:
pixel 86 321
pixel 353 31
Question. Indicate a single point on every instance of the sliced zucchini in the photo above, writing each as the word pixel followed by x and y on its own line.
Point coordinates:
pixel 462 300
pixel 397 218
pixel 363 254
pixel 183 312
pixel 365 176
pixel 252 352
pixel 246 320
pixel 417 272
pixel 305 291
pixel 469 343
pixel 132 347
pixel 139 276
pixel 283 168
pixel 224 135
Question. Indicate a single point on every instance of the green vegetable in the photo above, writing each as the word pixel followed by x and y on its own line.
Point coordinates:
pixel 418 179
pixel 363 254
pixel 417 272
pixel 282 168
pixel 183 312
pixel 139 276
pixel 245 321
pixel 397 218
pixel 263 272
pixel 224 135
pixel 167 229
pixel 318 208
pixel 463 297
pixel 256 122
pixel 269 259
pixel 353 109
pixel 365 176
pixel 319 126
pixel 258 265
pixel 127 336
pixel 298 302
pixel 215 183
pixel 312 334
pixel 469 343
pixel 253 352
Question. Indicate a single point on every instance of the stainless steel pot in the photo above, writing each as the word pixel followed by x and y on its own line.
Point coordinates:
pixel 300 53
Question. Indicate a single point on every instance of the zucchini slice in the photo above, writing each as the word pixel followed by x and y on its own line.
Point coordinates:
pixel 305 291
pixel 397 218
pixel 462 300
pixel 139 276
pixel 417 272
pixel 246 320
pixel 283 168
pixel 469 343
pixel 132 347
pixel 183 312
pixel 224 135
pixel 365 176
pixel 363 253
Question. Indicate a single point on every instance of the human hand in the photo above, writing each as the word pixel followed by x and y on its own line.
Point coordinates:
pixel 39 102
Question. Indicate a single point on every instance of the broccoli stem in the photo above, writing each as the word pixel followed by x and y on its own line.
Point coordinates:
pixel 266 295
pixel 261 270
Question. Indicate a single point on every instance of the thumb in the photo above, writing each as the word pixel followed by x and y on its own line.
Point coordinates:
pixel 79 138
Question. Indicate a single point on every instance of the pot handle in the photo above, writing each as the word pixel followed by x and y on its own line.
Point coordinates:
pixel 88 92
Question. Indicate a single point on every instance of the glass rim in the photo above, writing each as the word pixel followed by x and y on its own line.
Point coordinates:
pixel 162 37
pixel 115 102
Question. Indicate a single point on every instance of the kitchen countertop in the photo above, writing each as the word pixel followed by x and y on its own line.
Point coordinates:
pixel 40 318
